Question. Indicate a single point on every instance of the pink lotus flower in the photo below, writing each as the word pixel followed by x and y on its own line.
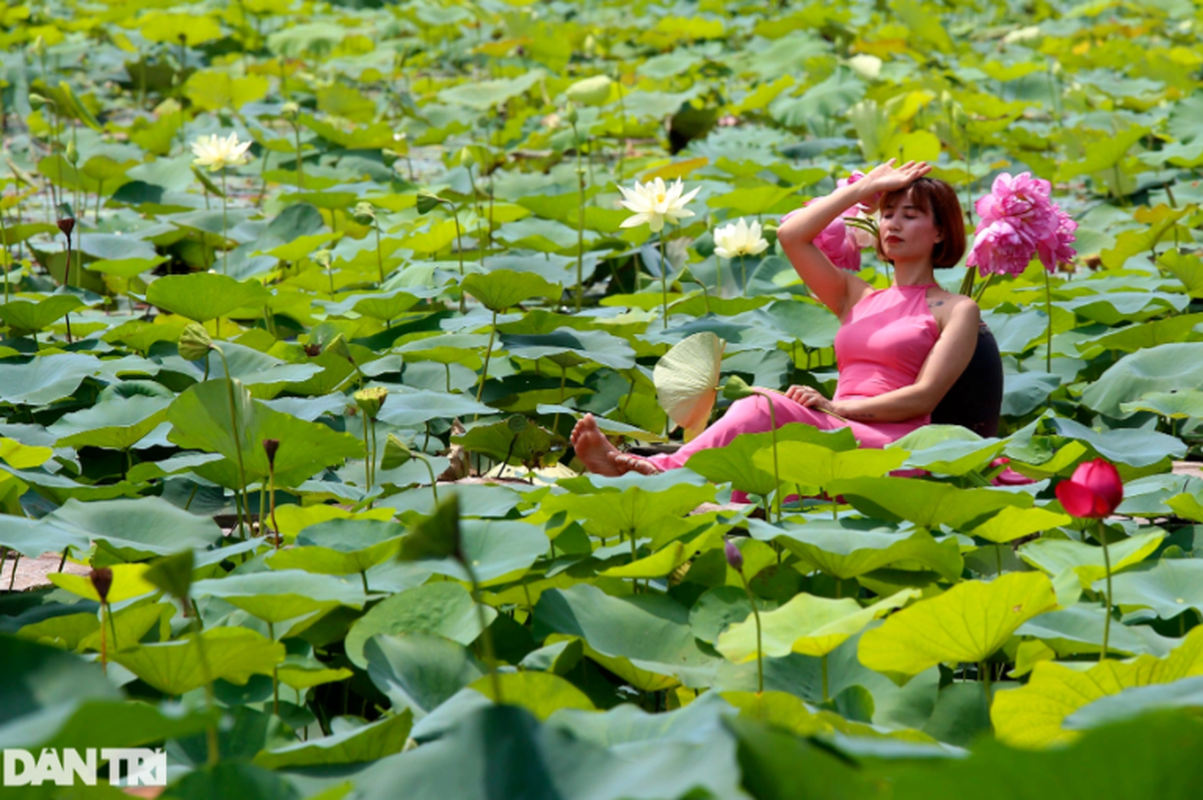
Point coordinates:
pixel 1019 221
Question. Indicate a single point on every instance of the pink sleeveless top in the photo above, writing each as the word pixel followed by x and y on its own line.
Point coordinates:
pixel 882 346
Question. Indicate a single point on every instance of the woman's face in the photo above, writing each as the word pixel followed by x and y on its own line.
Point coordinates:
pixel 908 233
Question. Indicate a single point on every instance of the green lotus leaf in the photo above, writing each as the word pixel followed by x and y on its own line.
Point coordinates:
pixel 532 445
pixel 419 671
pixel 26 315
pixel 200 418
pixel 1078 630
pixel 568 347
pixel 650 633
pixel 358 745
pixel 138 528
pixel 1168 586
pixel 812 626
pixel 46 378
pixel 722 606
pixel 500 289
pixel 204 295
pixel 116 424
pixel 231 654
pixel 1132 703
pixel 813 465
pixel 1171 405
pixel 282 595
pixel 341 547
pixel 1055 556
pixel 1136 448
pixel 443 608
pixel 925 503
pixel 734 463
pixel 1033 715
pixel 1013 523
pixel 635 510
pixel 967 623
pixel 540 693
pixel 847 549
pixel 1163 368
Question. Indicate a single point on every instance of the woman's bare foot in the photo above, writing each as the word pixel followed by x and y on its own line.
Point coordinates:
pixel 600 457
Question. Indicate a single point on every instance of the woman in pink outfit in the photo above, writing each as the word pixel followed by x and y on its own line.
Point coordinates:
pixel 898 350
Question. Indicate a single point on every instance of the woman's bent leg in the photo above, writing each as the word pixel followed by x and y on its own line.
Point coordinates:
pixel 750 415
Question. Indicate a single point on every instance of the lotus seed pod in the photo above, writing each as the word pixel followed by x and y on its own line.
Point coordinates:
pixel 323 258
pixel 396 454
pixel 427 201
pixel 290 111
pixel 338 346
pixel 72 154
pixel 194 343
pixel 516 423
pixel 66 225
pixel 736 388
pixel 102 581
pixel 364 213
pixel 370 400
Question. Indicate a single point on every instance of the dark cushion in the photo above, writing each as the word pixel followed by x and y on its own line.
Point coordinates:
pixel 975 400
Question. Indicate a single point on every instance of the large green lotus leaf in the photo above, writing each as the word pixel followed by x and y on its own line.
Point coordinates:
pixel 500 289
pixel 1131 446
pixel 1168 586
pixel 450 348
pixel 341 546
pixel 846 549
pixel 32 537
pixel 925 503
pixel 1132 338
pixel 116 424
pixel 82 631
pixel 484 95
pixel 812 626
pixel 46 378
pixel 231 654
pixel 777 764
pixel 200 419
pixel 419 671
pixel 474 758
pixel 1055 556
pixel 1131 703
pixel 947 449
pixel 1157 369
pixel 650 631
pixel 1078 630
pixel 967 623
pixel 139 527
pixel 805 322
pixel 512 440
pixel 814 465
pixel 734 463
pixel 1125 761
pixel 35 678
pixel 417 408
pixel 636 509
pixel 1171 405
pixel 203 296
pixel 722 606
pixel 26 315
pixel 358 745
pixel 1013 523
pixel 1113 308
pixel 498 550
pixel 1024 392
pixel 1033 715
pixel 282 595
pixel 251 367
pixel 568 347
pixel 442 608
pixel 59 489
pixel 669 556
pixel 540 693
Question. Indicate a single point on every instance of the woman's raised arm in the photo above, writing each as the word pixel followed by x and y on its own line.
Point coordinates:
pixel 831 285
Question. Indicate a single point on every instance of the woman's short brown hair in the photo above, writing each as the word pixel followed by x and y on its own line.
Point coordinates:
pixel 940 199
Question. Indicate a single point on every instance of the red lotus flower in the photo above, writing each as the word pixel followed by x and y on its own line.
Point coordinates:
pixel 1094 491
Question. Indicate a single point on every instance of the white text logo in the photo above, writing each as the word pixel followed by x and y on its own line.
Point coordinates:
pixel 128 766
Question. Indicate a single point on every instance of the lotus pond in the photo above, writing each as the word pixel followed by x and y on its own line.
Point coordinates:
pixel 292 421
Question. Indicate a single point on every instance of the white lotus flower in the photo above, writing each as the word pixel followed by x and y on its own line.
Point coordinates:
pixel 654 203
pixel 739 239
pixel 215 152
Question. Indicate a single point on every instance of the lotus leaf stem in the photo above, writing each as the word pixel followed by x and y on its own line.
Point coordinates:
pixel 580 220
pixel 225 241
pixel 824 661
pixel 759 647
pixel 486 635
pixel 484 374
pixel 1048 309
pixel 234 434
pixel 1107 567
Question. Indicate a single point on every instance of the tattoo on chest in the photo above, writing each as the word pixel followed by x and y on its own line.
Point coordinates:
pixel 934 303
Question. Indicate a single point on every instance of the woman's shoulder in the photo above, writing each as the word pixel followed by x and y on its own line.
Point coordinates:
pixel 946 307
